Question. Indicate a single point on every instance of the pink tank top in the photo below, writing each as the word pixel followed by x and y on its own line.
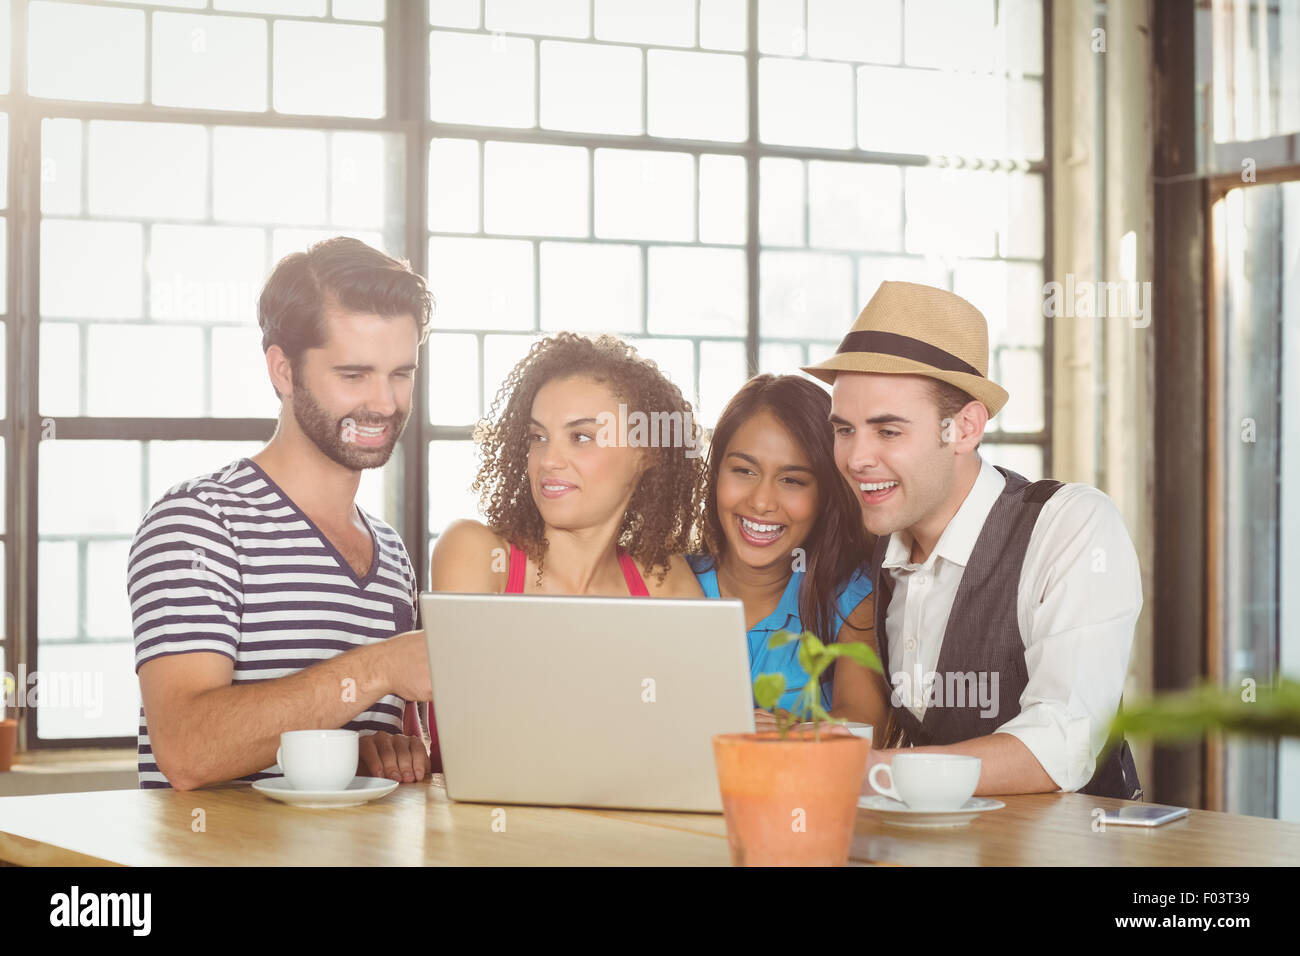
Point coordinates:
pixel 515 585
pixel 519 564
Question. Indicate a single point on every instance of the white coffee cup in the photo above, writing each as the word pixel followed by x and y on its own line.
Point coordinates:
pixel 928 781
pixel 318 759
pixel 857 729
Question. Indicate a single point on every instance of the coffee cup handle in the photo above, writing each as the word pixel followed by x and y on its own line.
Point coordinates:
pixel 887 791
pixel 277 759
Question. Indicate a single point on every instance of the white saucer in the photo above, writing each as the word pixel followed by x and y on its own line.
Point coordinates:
pixel 360 790
pixel 901 815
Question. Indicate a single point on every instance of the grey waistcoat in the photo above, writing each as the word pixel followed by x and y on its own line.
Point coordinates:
pixel 983 637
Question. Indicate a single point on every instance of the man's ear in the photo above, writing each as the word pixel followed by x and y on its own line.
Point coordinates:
pixel 280 370
pixel 971 421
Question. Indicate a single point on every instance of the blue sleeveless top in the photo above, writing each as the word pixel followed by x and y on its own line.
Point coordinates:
pixel 785 660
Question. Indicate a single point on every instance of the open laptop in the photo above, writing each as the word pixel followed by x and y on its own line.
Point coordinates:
pixel 586 701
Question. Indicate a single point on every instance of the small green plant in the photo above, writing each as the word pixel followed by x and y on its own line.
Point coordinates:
pixel 814 658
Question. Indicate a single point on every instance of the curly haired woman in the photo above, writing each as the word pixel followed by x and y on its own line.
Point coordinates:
pixel 583 513
pixel 570 511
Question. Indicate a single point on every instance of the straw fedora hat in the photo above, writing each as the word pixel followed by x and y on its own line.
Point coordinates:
pixel 911 329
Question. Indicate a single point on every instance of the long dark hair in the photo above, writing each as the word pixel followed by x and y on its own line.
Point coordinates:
pixel 838 546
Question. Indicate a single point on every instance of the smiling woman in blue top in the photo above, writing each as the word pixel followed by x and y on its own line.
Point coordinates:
pixel 782 532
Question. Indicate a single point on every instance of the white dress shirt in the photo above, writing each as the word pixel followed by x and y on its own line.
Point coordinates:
pixel 1078 602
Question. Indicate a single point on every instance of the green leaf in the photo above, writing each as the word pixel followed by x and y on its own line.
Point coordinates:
pixel 1190 715
pixel 856 651
pixel 780 639
pixel 811 650
pixel 768 689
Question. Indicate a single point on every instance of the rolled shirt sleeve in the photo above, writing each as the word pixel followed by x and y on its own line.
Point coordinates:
pixel 1079 600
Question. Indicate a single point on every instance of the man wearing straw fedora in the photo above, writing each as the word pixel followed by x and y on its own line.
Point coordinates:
pixel 1005 609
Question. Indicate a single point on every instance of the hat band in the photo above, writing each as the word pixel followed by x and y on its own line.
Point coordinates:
pixel 904 346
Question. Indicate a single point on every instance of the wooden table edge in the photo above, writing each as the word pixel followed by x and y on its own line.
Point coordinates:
pixel 18 850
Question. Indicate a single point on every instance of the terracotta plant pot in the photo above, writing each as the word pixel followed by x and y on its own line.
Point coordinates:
pixel 790 802
pixel 8 743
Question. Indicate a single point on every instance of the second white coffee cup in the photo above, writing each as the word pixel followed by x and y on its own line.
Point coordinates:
pixel 928 781
pixel 858 729
pixel 318 759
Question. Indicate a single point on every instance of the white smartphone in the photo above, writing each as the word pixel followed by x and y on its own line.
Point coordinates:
pixel 1144 815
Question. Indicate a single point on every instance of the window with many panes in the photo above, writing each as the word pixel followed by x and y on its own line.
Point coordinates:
pixel 723 183
pixel 591 169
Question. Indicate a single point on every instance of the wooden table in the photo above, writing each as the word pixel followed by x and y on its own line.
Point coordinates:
pixel 417 825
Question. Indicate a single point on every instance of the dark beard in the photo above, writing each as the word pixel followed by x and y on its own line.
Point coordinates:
pixel 328 433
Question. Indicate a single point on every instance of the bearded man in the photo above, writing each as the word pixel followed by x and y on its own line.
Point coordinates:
pixel 263 599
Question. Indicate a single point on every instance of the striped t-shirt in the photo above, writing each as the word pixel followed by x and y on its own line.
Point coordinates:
pixel 228 563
